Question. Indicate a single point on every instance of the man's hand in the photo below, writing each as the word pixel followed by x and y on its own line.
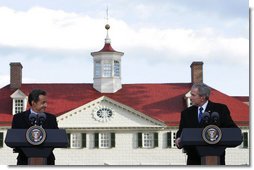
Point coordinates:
pixel 178 143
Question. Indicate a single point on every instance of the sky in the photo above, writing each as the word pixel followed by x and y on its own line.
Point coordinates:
pixel 160 39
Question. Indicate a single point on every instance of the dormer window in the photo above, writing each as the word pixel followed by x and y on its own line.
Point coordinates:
pixel 18 105
pixel 19 102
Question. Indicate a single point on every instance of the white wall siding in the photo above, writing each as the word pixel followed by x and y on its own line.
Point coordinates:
pixel 7 157
pixel 237 156
pixel 125 152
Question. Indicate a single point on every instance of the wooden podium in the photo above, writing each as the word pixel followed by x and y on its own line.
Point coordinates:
pixel 210 153
pixel 37 155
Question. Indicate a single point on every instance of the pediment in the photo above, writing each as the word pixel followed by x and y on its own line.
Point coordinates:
pixel 18 94
pixel 105 112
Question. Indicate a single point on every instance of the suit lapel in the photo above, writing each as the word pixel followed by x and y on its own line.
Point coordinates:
pixel 209 107
pixel 26 117
pixel 194 116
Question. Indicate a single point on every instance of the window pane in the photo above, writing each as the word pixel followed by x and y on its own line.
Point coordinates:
pixel 18 105
pixel 76 140
pixel 105 141
pixel 97 69
pixel 148 140
pixel 117 68
pixel 107 69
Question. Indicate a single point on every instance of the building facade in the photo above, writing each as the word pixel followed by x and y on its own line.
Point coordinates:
pixel 110 123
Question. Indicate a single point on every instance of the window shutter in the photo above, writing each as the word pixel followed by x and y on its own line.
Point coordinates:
pixel 96 140
pixel 83 140
pixel 69 140
pixel 139 140
pixel 1 140
pixel 112 140
pixel 169 144
pixel 245 140
pixel 155 139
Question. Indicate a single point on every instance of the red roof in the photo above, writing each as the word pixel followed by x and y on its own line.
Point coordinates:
pixel 107 48
pixel 242 98
pixel 163 102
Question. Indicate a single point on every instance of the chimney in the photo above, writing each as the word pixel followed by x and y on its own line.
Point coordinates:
pixel 16 75
pixel 197 72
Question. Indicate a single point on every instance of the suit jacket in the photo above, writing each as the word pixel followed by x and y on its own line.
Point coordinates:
pixel 189 119
pixel 21 121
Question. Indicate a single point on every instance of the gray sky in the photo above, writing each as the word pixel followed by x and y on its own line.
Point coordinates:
pixel 53 40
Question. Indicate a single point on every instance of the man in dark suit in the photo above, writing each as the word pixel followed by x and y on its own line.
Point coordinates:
pixel 38 102
pixel 190 119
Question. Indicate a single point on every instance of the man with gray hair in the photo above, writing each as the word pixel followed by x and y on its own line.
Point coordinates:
pixel 191 118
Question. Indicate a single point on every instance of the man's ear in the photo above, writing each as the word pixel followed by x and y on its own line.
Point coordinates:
pixel 33 103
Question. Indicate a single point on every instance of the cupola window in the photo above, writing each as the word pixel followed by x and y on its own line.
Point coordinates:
pixel 116 68
pixel 97 69
pixel 107 69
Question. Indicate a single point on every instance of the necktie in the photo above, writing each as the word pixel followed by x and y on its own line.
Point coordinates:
pixel 200 114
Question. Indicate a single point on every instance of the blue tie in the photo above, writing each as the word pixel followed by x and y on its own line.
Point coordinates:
pixel 200 114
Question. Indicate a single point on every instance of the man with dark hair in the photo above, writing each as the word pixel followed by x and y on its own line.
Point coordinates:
pixel 34 95
pixel 38 101
pixel 190 118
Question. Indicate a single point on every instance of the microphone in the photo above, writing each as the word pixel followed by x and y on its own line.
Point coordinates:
pixel 215 118
pixel 32 119
pixel 41 118
pixel 205 120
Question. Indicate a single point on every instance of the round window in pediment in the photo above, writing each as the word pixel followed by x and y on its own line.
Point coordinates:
pixel 102 114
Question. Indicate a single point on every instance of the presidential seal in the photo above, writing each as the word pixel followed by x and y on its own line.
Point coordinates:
pixel 35 135
pixel 211 134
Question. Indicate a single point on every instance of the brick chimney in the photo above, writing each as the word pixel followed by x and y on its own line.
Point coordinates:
pixel 197 72
pixel 15 75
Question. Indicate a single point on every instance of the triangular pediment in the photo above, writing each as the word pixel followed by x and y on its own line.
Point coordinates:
pixel 18 94
pixel 105 112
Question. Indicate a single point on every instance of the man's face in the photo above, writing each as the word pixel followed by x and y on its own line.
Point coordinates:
pixel 41 105
pixel 195 98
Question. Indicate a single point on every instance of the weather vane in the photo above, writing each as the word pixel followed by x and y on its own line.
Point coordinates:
pixel 107 14
pixel 107 26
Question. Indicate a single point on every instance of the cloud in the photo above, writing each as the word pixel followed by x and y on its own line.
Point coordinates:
pixel 45 28
pixel 55 29
pixel 41 36
pixel 182 44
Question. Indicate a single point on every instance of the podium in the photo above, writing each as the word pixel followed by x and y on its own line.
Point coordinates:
pixel 37 154
pixel 210 152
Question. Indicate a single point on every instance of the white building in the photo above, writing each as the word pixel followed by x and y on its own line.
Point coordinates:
pixel 110 123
